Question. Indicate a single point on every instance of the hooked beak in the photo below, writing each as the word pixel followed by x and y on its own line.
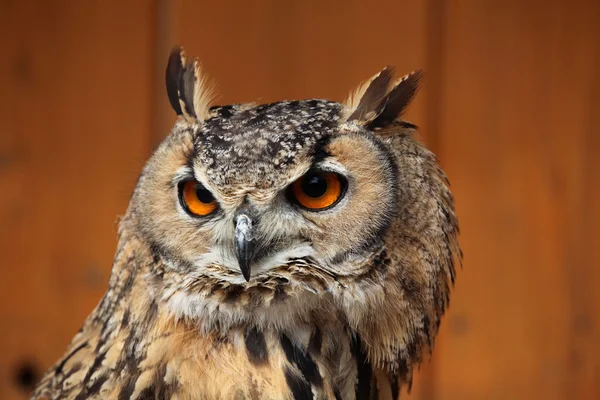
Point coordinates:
pixel 243 244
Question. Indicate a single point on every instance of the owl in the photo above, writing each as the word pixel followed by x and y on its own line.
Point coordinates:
pixel 292 250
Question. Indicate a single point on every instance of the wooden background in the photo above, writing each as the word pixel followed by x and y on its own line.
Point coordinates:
pixel 511 104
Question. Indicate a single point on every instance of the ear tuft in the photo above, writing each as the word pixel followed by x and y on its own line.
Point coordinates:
pixel 377 104
pixel 365 102
pixel 398 99
pixel 204 92
pixel 188 90
pixel 173 73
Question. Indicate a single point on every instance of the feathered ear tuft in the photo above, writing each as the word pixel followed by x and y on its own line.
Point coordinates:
pixel 365 102
pixel 188 90
pixel 398 98
pixel 377 104
pixel 174 71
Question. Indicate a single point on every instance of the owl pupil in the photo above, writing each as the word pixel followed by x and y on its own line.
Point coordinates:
pixel 314 186
pixel 203 195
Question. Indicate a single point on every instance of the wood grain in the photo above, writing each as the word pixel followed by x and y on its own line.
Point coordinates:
pixel 269 50
pixel 519 130
pixel 75 107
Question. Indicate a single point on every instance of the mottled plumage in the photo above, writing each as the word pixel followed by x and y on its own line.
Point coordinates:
pixel 263 297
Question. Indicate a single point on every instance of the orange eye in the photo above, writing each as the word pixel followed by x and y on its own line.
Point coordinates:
pixel 196 199
pixel 318 190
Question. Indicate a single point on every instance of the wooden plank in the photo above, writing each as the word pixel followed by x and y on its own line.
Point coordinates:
pixel 75 104
pixel 166 24
pixel 579 112
pixel 520 143
pixel 268 51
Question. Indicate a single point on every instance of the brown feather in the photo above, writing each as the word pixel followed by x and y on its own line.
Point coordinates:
pixel 371 94
pixel 173 75
pixel 187 83
pixel 189 93
pixel 397 99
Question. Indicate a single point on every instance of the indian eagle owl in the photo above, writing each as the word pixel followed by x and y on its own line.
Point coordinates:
pixel 292 250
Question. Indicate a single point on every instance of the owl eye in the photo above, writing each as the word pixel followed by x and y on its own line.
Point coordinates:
pixel 196 199
pixel 318 190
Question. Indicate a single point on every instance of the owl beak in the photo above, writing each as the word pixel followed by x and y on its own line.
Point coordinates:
pixel 243 244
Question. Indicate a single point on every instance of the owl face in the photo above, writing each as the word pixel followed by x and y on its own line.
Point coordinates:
pixel 268 213
pixel 253 188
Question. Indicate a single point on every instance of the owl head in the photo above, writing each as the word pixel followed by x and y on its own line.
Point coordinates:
pixel 275 213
